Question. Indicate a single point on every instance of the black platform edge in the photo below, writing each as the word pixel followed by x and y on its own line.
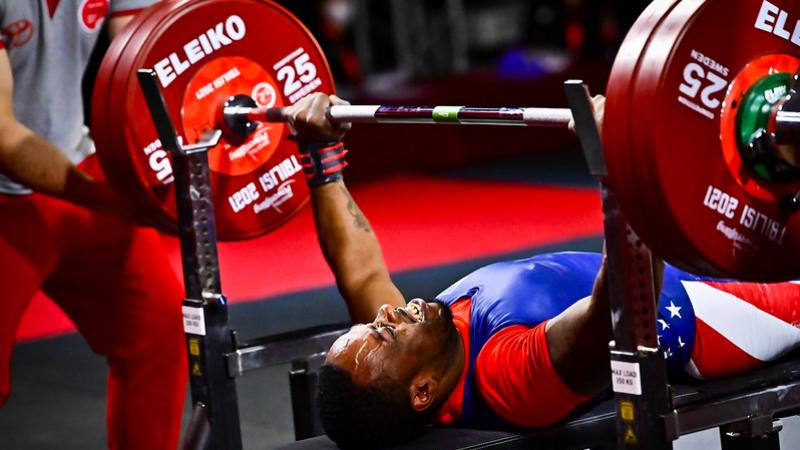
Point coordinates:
pixel 438 438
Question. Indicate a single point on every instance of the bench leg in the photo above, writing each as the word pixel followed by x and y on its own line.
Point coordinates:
pixel 303 386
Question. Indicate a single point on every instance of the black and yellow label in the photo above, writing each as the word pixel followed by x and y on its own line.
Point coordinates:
pixel 627 411
pixel 194 346
pixel 196 371
pixel 630 436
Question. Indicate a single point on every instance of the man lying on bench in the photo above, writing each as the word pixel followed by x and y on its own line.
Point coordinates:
pixel 518 343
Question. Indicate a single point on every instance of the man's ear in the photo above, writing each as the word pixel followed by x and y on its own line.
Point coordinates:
pixel 424 391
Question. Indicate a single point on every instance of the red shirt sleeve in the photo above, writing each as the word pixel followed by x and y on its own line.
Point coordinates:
pixel 518 382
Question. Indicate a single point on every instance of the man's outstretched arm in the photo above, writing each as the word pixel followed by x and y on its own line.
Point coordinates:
pixel 347 240
pixel 559 364
pixel 353 252
pixel 577 339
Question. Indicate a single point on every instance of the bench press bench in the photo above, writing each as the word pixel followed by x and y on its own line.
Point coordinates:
pixel 769 393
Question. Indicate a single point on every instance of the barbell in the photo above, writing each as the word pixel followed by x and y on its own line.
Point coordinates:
pixel 241 114
pixel 699 119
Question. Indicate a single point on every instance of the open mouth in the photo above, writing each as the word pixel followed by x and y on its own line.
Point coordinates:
pixel 416 309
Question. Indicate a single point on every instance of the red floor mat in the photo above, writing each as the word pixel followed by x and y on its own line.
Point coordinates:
pixel 421 222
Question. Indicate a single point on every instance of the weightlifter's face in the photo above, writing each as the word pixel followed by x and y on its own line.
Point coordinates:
pixel 398 343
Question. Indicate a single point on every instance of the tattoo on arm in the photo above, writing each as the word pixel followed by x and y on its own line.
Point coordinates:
pixel 358 217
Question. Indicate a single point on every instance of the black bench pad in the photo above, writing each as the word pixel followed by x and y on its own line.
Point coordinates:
pixel 595 425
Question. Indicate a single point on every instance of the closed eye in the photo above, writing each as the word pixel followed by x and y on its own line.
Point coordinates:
pixel 405 314
pixel 385 326
pixel 375 331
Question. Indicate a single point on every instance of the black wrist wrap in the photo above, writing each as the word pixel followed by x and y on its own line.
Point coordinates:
pixel 322 162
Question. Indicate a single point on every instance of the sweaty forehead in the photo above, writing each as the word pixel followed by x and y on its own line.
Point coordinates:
pixel 360 353
pixel 351 348
pixel 346 341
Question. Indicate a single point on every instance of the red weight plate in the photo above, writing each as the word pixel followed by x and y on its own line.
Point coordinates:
pixel 120 93
pixel 703 210
pixel 106 120
pixel 617 109
pixel 661 228
pixel 118 119
pixel 203 51
pixel 638 177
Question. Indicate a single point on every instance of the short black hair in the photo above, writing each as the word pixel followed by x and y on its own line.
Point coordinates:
pixel 373 416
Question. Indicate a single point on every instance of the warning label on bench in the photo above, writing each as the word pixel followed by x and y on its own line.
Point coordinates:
pixel 626 378
pixel 193 321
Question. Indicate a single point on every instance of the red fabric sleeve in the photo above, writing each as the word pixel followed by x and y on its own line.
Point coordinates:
pixel 518 382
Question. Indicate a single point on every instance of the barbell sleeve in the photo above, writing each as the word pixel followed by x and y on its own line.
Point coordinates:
pixel 786 113
pixel 538 117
